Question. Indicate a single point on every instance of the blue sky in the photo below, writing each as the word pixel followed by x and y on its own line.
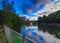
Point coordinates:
pixel 31 8
pixel 23 6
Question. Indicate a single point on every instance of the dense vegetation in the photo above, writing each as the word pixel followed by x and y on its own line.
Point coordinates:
pixel 51 18
pixel 8 15
pixel 10 19
pixel 8 6
pixel 2 17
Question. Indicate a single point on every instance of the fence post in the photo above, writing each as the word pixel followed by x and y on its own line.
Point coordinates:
pixel 24 39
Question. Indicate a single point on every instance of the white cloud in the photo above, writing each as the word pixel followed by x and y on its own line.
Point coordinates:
pixel 33 18
pixel 48 37
pixel 48 8
pixel 29 11
pixel 24 16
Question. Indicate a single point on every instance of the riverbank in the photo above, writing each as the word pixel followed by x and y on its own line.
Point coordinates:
pixel 50 24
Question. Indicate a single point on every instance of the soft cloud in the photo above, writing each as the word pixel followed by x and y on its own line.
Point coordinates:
pixel 35 8
pixel 33 18
pixel 48 8
pixel 48 37
pixel 29 11
pixel 29 5
pixel 24 16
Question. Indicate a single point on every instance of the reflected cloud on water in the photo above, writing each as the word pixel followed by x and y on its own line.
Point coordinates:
pixel 33 33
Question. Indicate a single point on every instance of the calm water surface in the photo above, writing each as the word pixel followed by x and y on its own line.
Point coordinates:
pixel 35 32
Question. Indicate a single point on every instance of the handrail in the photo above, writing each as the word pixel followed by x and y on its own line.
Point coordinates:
pixel 20 34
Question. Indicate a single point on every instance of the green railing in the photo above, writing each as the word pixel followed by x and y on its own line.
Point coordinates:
pixel 15 37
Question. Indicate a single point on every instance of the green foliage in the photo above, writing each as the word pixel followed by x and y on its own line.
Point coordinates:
pixel 11 20
pixel 51 18
pixel 7 41
pixel 17 39
pixel 7 6
pixel 2 17
pixel 1 34
pixel 49 23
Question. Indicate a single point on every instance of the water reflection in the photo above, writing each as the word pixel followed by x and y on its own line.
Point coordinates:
pixel 52 30
pixel 40 33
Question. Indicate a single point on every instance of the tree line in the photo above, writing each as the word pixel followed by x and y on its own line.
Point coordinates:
pixel 51 18
pixel 8 6
pixel 11 20
pixel 8 15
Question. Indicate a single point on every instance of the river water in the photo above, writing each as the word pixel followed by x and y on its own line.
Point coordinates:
pixel 41 33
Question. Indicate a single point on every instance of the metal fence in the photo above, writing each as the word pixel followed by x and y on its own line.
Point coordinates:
pixel 15 37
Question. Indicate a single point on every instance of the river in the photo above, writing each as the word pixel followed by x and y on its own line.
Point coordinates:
pixel 44 34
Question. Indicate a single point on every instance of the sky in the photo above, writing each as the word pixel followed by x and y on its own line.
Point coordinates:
pixel 32 9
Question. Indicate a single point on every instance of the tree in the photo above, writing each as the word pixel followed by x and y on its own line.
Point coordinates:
pixel 7 6
pixel 12 7
pixel 2 17
pixel 51 18
pixel 44 19
pixel 40 20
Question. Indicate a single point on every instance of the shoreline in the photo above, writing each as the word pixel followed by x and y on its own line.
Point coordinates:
pixel 50 24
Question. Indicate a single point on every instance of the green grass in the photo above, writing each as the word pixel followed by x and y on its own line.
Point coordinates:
pixel 6 41
pixel 17 39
